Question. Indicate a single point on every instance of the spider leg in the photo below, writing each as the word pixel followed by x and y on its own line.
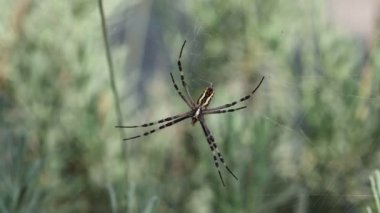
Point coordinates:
pixel 160 127
pixel 215 151
pixel 155 122
pixel 211 144
pixel 205 112
pixel 184 84
pixel 240 100
pixel 179 92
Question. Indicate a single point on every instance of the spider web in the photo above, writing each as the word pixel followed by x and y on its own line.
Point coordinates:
pixel 298 147
pixel 307 141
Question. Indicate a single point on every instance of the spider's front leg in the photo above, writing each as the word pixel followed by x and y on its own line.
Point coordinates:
pixel 215 151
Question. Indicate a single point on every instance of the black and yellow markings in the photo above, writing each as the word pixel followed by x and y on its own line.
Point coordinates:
pixel 205 99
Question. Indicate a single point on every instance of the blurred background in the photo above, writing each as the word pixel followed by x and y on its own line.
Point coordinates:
pixel 308 141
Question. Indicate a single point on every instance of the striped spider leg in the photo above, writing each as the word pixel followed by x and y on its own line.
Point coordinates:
pixel 198 111
pixel 237 101
pixel 184 84
pixel 214 149
pixel 218 111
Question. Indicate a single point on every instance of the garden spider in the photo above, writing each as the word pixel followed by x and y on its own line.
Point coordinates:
pixel 197 112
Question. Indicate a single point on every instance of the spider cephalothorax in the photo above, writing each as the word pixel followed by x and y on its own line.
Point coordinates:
pixel 197 112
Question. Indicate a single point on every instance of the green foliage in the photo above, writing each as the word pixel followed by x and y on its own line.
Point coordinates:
pixel 375 186
pixel 305 143
pixel 19 175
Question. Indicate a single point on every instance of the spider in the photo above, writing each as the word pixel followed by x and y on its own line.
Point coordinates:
pixel 198 111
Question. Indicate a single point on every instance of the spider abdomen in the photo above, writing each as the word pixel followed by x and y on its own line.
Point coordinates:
pixel 205 98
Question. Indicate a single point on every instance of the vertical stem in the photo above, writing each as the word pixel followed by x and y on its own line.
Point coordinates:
pixel 116 99
pixel 116 102
pixel 112 76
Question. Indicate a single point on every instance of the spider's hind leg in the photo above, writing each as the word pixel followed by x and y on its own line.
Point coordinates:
pixel 179 92
pixel 184 84
pixel 240 100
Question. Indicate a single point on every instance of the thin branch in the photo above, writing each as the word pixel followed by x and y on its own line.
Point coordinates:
pixel 112 76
